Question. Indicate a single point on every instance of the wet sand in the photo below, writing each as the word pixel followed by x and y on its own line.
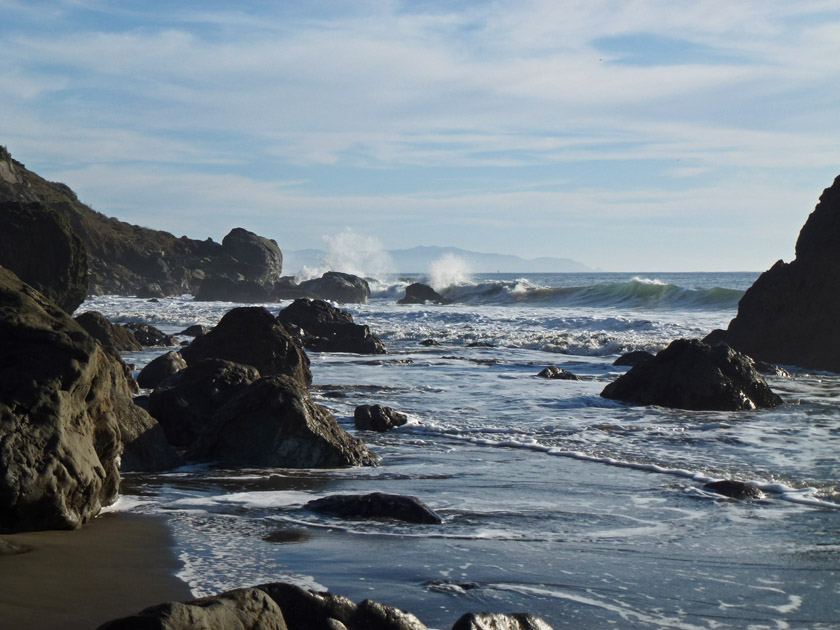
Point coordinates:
pixel 115 566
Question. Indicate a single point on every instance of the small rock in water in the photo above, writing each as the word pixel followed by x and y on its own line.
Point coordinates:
pixel 376 505
pixel 734 489
pixel 497 621
pixel 429 342
pixel 479 344
pixel 636 357
pixel 149 335
pixel 196 330
pixel 377 418
pixel 554 372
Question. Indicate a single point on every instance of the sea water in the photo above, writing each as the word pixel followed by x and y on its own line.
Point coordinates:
pixel 587 512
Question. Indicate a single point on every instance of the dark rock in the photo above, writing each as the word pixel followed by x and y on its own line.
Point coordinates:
pixel 790 314
pixel 160 369
pixel 196 330
pixel 150 336
pixel 771 370
pixel 637 357
pixel 113 337
pixel 232 290
pixel 61 396
pixel 146 448
pixel 337 287
pixel 429 342
pixel 273 422
pixel 479 344
pixel 418 293
pixel 734 489
pixel 260 258
pixel 250 335
pixel 12 549
pixel 377 418
pixel 554 372
pixel 311 610
pixel 690 374
pixel 376 505
pixel 496 621
pixel 185 402
pixel 242 609
pixel 324 328
pixel 40 247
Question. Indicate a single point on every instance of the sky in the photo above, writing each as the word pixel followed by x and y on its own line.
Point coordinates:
pixel 630 136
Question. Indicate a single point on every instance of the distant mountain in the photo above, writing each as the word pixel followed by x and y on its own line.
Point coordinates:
pixel 420 259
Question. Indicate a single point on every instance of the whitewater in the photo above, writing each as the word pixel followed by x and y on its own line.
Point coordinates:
pixel 587 512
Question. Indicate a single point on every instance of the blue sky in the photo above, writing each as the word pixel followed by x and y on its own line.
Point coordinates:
pixel 631 136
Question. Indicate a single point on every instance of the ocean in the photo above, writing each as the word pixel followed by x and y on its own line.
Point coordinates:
pixel 584 511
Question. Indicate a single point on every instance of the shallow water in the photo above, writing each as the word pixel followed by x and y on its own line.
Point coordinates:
pixel 555 501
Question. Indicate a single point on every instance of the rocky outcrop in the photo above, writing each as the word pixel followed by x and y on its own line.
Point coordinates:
pixel 418 293
pixel 251 335
pixel 690 374
pixel 128 259
pixel 377 418
pixel 324 328
pixel 497 621
pixel 273 422
pixel 230 290
pixel 161 368
pixel 376 505
pixel 113 337
pixel 790 313
pixel 337 287
pixel 185 402
pixel 38 245
pixel 61 396
pixel 554 372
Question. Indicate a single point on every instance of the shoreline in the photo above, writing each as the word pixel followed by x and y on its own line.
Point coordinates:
pixel 114 566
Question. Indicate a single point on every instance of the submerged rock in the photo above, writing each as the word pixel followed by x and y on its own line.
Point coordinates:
pixel 497 621
pixel 337 287
pixel 418 293
pixel 377 418
pixel 734 489
pixel 376 505
pixel 325 328
pixel 690 374
pixel 250 335
pixel 554 372
pixel 273 422
pixel 790 314
pixel 637 357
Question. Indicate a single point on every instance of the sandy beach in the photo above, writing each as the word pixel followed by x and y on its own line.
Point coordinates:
pixel 114 566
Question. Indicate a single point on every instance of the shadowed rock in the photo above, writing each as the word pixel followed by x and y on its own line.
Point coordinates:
pixel 554 372
pixel 734 489
pixel 260 258
pixel 196 330
pixel 690 374
pixel 496 621
pixel 337 287
pixel 232 290
pixel 160 369
pixel 377 418
pixel 376 505
pixel 149 336
pixel 418 293
pixel 113 337
pixel 325 328
pixel 634 358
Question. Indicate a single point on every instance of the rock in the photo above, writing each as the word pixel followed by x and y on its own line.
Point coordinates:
pixel 734 489
pixel 377 418
pixel 113 337
pixel 11 549
pixel 554 372
pixel 273 422
pixel 145 446
pixel 690 374
pixel 771 370
pixel 149 336
pixel 196 330
pixel 376 505
pixel 480 344
pixel 790 314
pixel 637 357
pixel 250 335
pixel 338 287
pixel 496 621
pixel 328 329
pixel 61 396
pixel 230 290
pixel 160 369
pixel 40 247
pixel 185 402
pixel 242 609
pixel 287 288
pixel 260 258
pixel 429 342
pixel 418 293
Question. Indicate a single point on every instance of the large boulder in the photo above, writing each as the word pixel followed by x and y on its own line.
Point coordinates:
pixel 325 328
pixel 113 337
pixel 259 257
pixel 40 247
pixel 61 397
pixel 242 609
pixel 376 505
pixel 251 335
pixel 418 293
pixel 377 418
pixel 338 287
pixel 273 422
pixel 184 402
pixel 790 313
pixel 690 374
